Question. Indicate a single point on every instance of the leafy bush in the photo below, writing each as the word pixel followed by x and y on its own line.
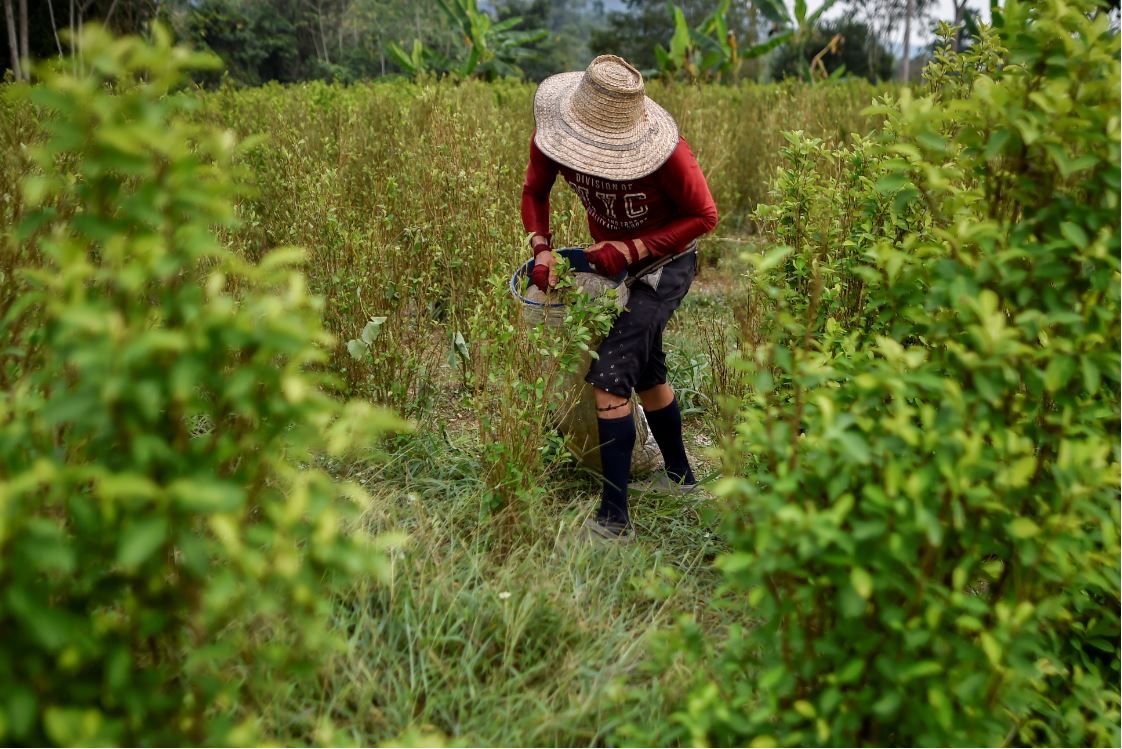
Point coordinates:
pixel 168 545
pixel 925 506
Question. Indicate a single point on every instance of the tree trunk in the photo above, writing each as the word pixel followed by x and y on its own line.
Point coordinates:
pixel 13 43
pixel 959 17
pixel 24 44
pixel 908 41
pixel 54 26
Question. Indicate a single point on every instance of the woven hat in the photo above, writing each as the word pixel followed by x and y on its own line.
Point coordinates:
pixel 600 122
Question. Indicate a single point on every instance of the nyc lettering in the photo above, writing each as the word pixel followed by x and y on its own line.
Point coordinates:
pixel 608 199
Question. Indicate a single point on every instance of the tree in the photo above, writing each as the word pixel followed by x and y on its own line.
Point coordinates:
pixel 884 17
pixel 13 42
pixel 33 29
pixel 255 43
pixel 375 24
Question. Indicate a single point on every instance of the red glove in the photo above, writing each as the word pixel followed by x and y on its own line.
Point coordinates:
pixel 543 266
pixel 539 276
pixel 606 258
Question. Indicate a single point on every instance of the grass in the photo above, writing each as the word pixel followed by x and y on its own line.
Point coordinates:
pixel 507 628
pixel 496 633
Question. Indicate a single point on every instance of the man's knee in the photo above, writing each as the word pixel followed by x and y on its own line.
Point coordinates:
pixel 657 397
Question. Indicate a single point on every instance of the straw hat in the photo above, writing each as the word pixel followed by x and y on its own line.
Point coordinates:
pixel 599 122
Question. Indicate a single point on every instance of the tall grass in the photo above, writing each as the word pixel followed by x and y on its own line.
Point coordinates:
pixel 408 194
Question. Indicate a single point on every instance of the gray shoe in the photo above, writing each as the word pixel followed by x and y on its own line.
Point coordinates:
pixel 604 531
pixel 663 484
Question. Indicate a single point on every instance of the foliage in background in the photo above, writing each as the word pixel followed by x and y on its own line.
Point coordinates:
pixel 256 42
pixel 569 24
pixel 885 20
pixel 169 546
pixel 798 28
pixel 923 491
pixel 490 49
pixel 708 52
pixel 851 58
pixel 636 31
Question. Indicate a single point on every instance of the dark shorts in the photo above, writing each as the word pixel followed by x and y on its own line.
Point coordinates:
pixel 631 357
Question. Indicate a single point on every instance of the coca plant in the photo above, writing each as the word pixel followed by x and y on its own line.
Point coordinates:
pixel 168 543
pixel 922 499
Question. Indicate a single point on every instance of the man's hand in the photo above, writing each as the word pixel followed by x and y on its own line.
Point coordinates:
pixel 543 274
pixel 612 257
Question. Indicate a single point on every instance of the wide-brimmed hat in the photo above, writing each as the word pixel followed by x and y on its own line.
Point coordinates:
pixel 601 123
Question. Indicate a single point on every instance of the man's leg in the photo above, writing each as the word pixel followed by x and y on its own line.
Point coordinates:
pixel 665 420
pixel 661 409
pixel 617 441
pixel 621 360
pixel 657 397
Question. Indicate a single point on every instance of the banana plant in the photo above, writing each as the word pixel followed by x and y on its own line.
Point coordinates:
pixel 491 49
pixel 797 29
pixel 709 51
pixel 418 60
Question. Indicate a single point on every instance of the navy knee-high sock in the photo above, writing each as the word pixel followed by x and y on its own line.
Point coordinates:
pixel 617 441
pixel 666 426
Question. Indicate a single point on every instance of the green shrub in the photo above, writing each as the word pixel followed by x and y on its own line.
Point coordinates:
pixel 168 543
pixel 924 499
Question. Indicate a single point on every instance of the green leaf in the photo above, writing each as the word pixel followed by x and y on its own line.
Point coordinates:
pixel 372 329
pixel 1074 234
pixel 73 726
pixel 758 50
pixel 1067 165
pixel 996 143
pixel 358 350
pixel 1023 528
pixel 887 705
pixel 50 628
pixel 207 495
pixel 140 540
pixel 21 709
pixel 1059 371
pixel 409 63
pixel 734 563
pixel 680 41
pixel 774 11
pixel 772 259
pixel 991 648
pixel 861 581
pixel 851 671
pixel 855 447
pixel 890 183
pixel 1021 471
pixel 1091 375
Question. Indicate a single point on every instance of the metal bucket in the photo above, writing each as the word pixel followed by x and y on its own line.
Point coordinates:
pixel 578 421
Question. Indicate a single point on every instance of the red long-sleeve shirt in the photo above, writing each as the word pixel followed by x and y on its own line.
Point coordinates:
pixel 667 209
